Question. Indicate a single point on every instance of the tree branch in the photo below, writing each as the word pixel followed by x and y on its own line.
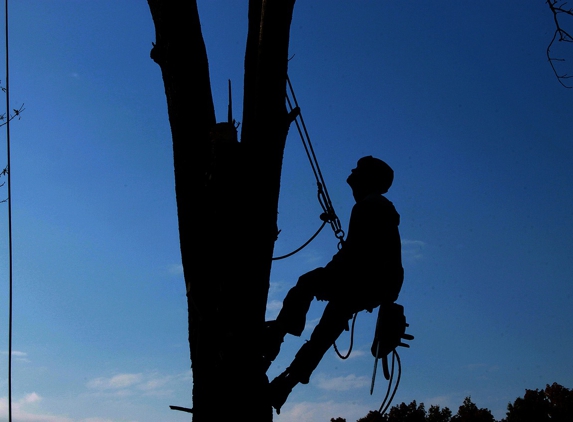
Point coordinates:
pixel 558 8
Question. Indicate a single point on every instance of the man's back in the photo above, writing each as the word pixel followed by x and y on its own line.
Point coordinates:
pixel 371 256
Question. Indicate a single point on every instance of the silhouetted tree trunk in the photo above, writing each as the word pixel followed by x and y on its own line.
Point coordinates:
pixel 227 198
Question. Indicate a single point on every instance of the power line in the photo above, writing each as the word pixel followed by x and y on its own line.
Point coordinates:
pixel 9 174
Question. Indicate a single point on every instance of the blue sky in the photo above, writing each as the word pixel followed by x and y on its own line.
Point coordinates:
pixel 457 97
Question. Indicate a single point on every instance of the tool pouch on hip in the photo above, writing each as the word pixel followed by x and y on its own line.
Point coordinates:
pixel 390 331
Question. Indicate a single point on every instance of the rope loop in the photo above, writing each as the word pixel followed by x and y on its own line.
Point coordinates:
pixel 389 397
pixel 301 247
pixel 347 355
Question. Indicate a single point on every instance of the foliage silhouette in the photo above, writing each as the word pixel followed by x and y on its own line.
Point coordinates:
pixel 469 412
pixel 412 412
pixel 437 414
pixel 553 404
pixel 373 417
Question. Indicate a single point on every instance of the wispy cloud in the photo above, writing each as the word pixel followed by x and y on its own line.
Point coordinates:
pixel 17 355
pixel 154 384
pixel 96 420
pixel 32 407
pixel 450 401
pixel 115 382
pixel 273 308
pixel 412 250
pixel 31 398
pixel 311 324
pixel 320 412
pixel 175 269
pixel 353 355
pixel 312 256
pixel 349 382
pixel 277 289
pixel 482 367
pixel 482 370
pixel 143 384
pixel 20 412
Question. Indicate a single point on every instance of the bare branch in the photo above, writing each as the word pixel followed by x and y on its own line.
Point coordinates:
pixel 559 8
pixel 17 113
pixel 4 173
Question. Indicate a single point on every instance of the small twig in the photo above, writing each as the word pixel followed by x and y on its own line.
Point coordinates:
pixel 4 172
pixel 17 113
pixel 561 36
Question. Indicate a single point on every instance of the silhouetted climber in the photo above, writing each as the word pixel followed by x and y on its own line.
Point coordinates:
pixel 365 273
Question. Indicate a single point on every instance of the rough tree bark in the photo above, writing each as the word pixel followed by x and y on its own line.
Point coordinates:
pixel 227 199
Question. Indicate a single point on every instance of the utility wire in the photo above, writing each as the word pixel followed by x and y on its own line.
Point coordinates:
pixel 9 174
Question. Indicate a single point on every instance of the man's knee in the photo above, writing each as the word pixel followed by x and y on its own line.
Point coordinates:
pixel 312 280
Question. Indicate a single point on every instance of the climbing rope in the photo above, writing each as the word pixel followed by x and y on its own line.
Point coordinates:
pixel 347 355
pixel 303 245
pixel 328 215
pixel 323 196
pixel 388 398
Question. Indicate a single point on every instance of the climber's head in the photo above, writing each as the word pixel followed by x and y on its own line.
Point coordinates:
pixel 371 175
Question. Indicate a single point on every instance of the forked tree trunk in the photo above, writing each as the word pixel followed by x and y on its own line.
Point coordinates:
pixel 227 199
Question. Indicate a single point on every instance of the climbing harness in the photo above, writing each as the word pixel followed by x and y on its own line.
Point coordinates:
pixel 390 331
pixel 328 215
